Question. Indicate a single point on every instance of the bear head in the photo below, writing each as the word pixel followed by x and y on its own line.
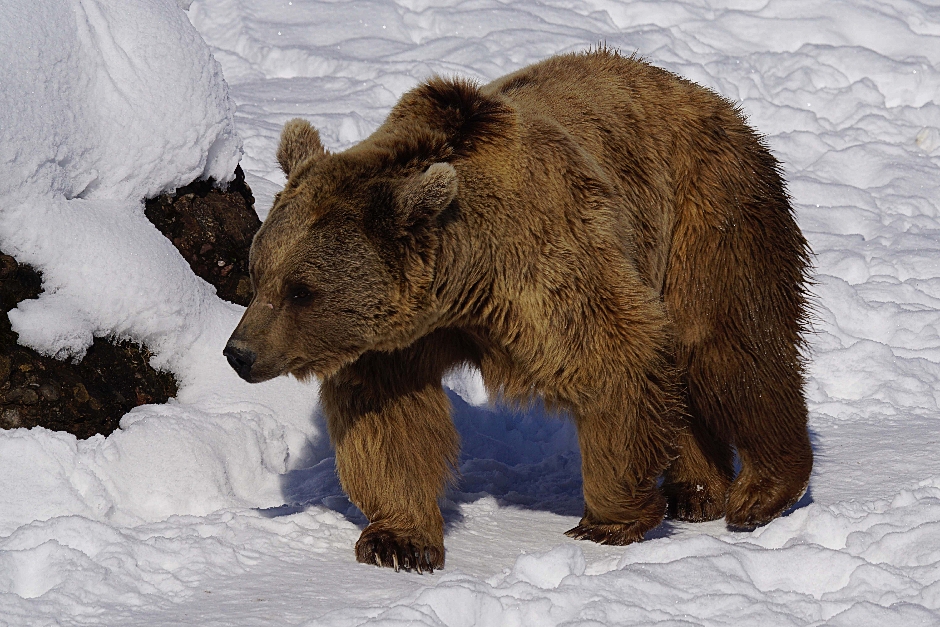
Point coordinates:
pixel 345 261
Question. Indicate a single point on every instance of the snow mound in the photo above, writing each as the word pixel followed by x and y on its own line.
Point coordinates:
pixel 123 103
pixel 103 104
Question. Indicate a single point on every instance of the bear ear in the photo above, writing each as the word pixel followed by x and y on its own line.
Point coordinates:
pixel 299 142
pixel 422 197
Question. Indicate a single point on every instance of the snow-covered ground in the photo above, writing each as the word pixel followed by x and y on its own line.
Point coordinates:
pixel 223 508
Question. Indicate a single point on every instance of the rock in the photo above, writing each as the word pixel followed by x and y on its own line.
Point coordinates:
pixel 49 391
pixel 213 231
pixel 31 385
pixel 9 418
pixel 6 366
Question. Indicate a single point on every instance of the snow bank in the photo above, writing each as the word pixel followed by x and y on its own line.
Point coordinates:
pixel 855 564
pixel 107 100
pixel 104 104
pixel 48 568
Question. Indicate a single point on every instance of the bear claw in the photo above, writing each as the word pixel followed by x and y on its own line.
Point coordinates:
pixel 617 534
pixel 694 502
pixel 387 549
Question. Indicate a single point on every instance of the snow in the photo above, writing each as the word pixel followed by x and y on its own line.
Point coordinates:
pixel 222 507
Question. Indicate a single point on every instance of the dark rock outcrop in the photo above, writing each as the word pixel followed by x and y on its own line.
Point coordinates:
pixel 212 229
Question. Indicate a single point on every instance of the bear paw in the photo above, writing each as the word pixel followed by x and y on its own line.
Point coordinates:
pixel 617 534
pixel 694 502
pixel 752 503
pixel 387 548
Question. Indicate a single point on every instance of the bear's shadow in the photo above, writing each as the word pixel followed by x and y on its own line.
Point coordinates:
pixel 524 458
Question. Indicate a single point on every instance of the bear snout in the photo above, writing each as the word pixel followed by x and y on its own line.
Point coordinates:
pixel 240 359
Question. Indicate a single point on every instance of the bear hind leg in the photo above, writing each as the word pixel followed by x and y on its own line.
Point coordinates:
pixel 622 457
pixel 775 471
pixel 759 404
pixel 642 511
pixel 736 289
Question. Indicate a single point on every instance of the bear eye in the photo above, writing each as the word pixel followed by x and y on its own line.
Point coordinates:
pixel 300 295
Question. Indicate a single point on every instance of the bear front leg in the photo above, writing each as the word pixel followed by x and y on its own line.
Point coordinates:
pixel 696 483
pixel 626 444
pixel 395 448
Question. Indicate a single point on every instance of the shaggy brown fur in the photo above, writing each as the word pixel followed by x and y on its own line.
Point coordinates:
pixel 590 230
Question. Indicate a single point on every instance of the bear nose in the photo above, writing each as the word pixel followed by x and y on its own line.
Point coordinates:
pixel 240 359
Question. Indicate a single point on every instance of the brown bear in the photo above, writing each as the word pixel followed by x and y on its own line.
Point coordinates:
pixel 590 230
